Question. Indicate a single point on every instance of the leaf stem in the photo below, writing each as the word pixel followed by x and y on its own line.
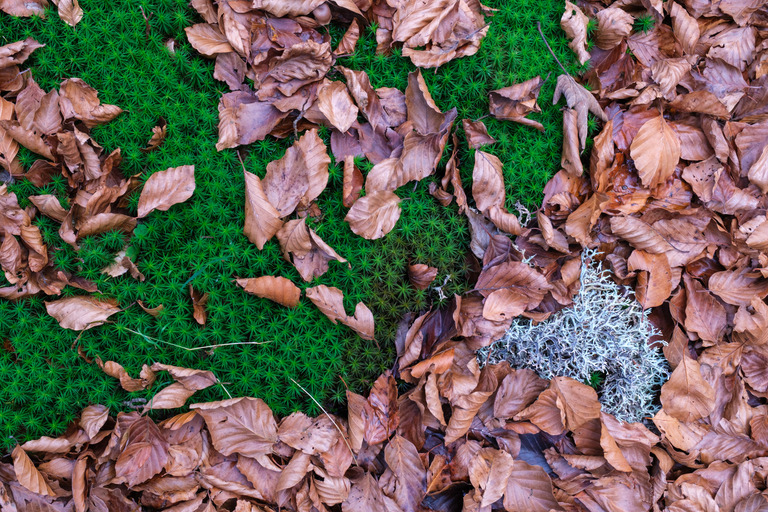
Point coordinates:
pixel 543 37
pixel 156 341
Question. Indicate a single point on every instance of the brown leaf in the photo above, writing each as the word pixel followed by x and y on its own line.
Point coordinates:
pixel 113 369
pixel 330 301
pixel 737 287
pixel 80 101
pixel 244 119
pixel 191 379
pixel 655 151
pixel 208 39
pixel 92 419
pixel 17 52
pixel 421 275
pixel 488 181
pixel 24 8
pixel 515 276
pixel 69 11
pixel 144 454
pixel 570 159
pixel 262 220
pixel 240 425
pixel 336 104
pixel 166 188
pixel 516 392
pixel 476 133
pixel 172 396
pixel 199 303
pixel 704 315
pixel 308 252
pixel 409 473
pixel 685 28
pixel 613 25
pixel 349 40
pixel 299 176
pixel 313 436
pixel 529 489
pixel 579 99
pixel 574 24
pixel 277 289
pixel 686 395
pixel 466 407
pixel 49 206
pixel 282 8
pixel 353 182
pixel 159 133
pixel 515 102
pixel 654 284
pixel 81 313
pixel 365 494
pixel 374 215
pixel 28 475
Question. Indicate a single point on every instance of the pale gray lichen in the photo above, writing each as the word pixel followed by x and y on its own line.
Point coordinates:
pixel 605 332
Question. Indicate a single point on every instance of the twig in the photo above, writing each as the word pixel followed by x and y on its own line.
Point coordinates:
pixel 538 25
pixel 329 417
pixel 148 28
pixel 194 349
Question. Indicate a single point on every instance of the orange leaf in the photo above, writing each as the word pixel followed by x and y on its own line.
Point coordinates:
pixel 277 289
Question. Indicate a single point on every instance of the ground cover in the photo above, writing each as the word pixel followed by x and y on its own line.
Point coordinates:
pixel 45 381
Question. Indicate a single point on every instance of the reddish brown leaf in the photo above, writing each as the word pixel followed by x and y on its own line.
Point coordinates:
pixel 574 23
pixel 262 220
pixel 28 475
pixel 515 102
pixel 240 425
pixel 476 133
pixel 409 473
pixel 165 188
pixel 421 275
pixel 81 313
pixel 704 315
pixel 336 104
pixel 277 289
pixel 331 302
pixel 686 395
pixel 374 215
pixel 353 182
pixel 199 302
pixel 80 101
pixel 655 151
pixel 144 453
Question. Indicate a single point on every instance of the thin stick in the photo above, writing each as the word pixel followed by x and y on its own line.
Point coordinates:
pixel 155 340
pixel 329 417
pixel 538 25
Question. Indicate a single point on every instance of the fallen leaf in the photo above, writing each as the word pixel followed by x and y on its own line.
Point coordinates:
pixel 353 182
pixel 704 315
pixel 92 418
pixel 686 395
pixel 421 275
pixel 348 40
pixel 81 313
pixel 159 133
pixel 487 181
pixel 199 303
pixel 166 188
pixel 515 102
pixel 69 11
pixel 574 24
pixel 277 289
pixel 262 220
pixel 579 99
pixel 409 473
pixel 476 133
pixel 144 454
pixel 49 206
pixel 28 475
pixel 308 252
pixel 113 369
pixel 299 177
pixel 530 489
pixel 239 425
pixel 336 104
pixel 374 215
pixel 613 25
pixel 207 39
pixel 80 101
pixel 330 301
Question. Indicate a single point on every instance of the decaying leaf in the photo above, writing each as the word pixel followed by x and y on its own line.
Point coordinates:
pixel 477 133
pixel 28 475
pixel 81 313
pixel 262 220
pixel 275 288
pixel 655 151
pixel 165 188
pixel 240 425
pixel 574 23
pixel 579 99
pixel 330 301
pixel 199 303
pixel 159 133
pixel 374 215
pixel 421 275
pixel 353 182
pixel 515 102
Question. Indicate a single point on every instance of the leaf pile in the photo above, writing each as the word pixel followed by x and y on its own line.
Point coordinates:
pixel 69 10
pixel 55 125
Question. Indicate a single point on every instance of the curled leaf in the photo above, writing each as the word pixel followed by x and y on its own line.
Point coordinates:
pixel 331 302
pixel 421 275
pixel 277 289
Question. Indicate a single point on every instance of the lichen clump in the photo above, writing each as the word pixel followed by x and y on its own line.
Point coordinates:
pixel 604 332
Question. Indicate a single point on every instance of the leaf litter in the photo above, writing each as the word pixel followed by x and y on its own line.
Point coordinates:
pixel 673 203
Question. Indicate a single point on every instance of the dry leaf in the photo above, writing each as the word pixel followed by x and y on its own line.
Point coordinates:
pixel 336 104
pixel 374 215
pixel 81 313
pixel 299 177
pixel 331 302
pixel 579 99
pixel 421 275
pixel 80 101
pixel 353 182
pixel 240 425
pixel 277 289
pixel 476 133
pixel 686 395
pixel 199 303
pixel 166 188
pixel 159 133
pixel 69 11
pixel 349 40
pixel 574 24
pixel 113 369
pixel 515 102
pixel 28 475
pixel 262 220
pixel 144 454
pixel 488 181
pixel 613 25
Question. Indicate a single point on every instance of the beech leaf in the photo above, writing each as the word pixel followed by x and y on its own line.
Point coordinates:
pixel 166 188
pixel 374 215
pixel 277 289
pixel 81 313
pixel 330 301
pixel 655 151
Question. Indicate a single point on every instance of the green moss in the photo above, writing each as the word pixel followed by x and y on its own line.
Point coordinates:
pixel 45 382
